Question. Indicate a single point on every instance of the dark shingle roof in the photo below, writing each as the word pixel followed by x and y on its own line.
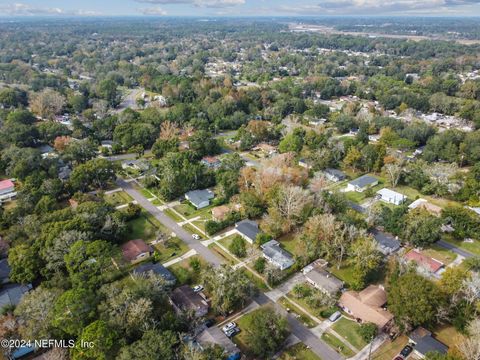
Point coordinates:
pixel 157 269
pixel 248 228
pixel 428 344
pixel 363 181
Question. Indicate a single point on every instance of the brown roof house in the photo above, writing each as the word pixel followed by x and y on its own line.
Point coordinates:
pixel 184 299
pixel 367 305
pixel 136 251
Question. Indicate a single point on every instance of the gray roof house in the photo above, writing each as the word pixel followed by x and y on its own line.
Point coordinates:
pixel 11 294
pixel 323 280
pixel 362 183
pixel 200 198
pixel 425 343
pixel 139 165
pixel 248 229
pixel 215 336
pixel 185 299
pixel 157 269
pixel 276 255
pixel 334 175
pixel 386 244
pixel 4 271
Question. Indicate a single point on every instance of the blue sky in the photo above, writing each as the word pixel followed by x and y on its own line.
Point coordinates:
pixel 238 7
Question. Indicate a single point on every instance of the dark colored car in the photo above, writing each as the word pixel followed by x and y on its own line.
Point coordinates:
pixel 406 351
pixel 398 358
pixel 209 322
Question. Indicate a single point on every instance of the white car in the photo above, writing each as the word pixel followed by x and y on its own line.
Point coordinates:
pixel 196 236
pixel 229 326
pixel 197 288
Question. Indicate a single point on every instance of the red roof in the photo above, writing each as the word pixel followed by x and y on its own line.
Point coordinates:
pixel 5 184
pixel 133 248
pixel 210 159
pixel 424 260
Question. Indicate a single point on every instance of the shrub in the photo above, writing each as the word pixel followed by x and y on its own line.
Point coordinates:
pixel 238 246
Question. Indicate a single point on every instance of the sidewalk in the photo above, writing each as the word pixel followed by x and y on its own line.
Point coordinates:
pixel 180 258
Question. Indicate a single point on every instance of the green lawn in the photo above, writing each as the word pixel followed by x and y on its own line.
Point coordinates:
pixel 337 345
pixel 200 224
pixel 390 349
pixel 173 215
pixel 156 202
pixel 289 243
pixel 358 197
pixel 440 254
pixel 226 241
pixel 474 247
pixel 118 198
pixel 314 310
pixel 226 257
pixel 259 283
pixel 349 330
pixel 189 211
pixel 345 273
pixel 193 230
pixel 173 248
pixel 413 194
pixel 184 272
pixel 301 316
pixel 144 227
pixel 298 352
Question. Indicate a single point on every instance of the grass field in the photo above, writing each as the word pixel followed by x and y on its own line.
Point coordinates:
pixel 315 311
pixel 144 227
pixel 349 330
pixel 441 254
pixel 173 215
pixel 259 283
pixel 226 241
pixel 193 230
pixel 118 198
pixel 301 316
pixel 289 243
pixel 226 257
pixel 189 211
pixel 345 273
pixel 184 272
pixel 298 352
pixel 390 349
pixel 474 247
pixel 175 247
pixel 337 345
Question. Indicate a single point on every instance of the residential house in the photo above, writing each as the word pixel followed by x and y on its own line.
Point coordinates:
pixel 219 213
pixel 317 122
pixel 386 244
pixel 106 144
pixel 212 162
pixel 46 151
pixel 426 343
pixel 136 250
pixel 200 198
pixel 334 175
pixel 390 196
pixel 425 205
pixel 367 305
pixel 184 299
pixel 307 164
pixel 266 149
pixel 157 269
pixel 11 294
pixel 276 255
pixel 4 272
pixel 215 336
pixel 321 279
pixel 424 263
pixel 7 190
pixel 248 229
pixel 374 138
pixel 362 183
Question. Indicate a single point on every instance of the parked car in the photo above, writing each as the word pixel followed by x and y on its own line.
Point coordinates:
pixel 398 358
pixel 335 316
pixel 209 322
pixel 406 351
pixel 229 326
pixel 196 236
pixel 198 288
pixel 232 332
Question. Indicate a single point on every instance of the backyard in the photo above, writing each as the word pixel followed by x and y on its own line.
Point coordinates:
pixel 188 271
pixel 298 352
pixel 170 249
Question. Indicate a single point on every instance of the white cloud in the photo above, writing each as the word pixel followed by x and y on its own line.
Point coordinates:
pixel 153 11
pixel 198 3
pixel 21 9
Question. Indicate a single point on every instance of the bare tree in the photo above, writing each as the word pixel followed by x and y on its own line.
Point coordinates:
pixel 47 103
pixel 168 130
pixel 393 171
pixel 470 347
pixel 291 202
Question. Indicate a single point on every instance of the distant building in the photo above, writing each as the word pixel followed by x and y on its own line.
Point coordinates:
pixel 317 122
pixel 391 197
pixel 139 165
pixel 307 164
pixel 334 175
pixel 374 138
pixel 46 151
pixel 212 162
pixel 107 144
pixel 426 343
pixel 248 229
pixel 200 198
pixel 276 255
pixel 157 269
pixel 367 305
pixel 426 263
pixel 136 250
pixel 321 279
pixel 362 183
pixel 184 299
pixel 265 148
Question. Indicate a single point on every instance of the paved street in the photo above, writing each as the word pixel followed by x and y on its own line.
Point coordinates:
pixel 169 223
pixel 454 248
pixel 298 329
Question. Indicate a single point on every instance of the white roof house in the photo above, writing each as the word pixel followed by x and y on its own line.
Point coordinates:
pixel 391 197
pixel 275 255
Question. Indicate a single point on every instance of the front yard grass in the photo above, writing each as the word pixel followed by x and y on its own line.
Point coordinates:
pixel 349 330
pixel 390 349
pixel 144 227
pixel 192 230
pixel 298 352
pixel 245 323
pixel 314 310
pixel 173 215
pixel 226 257
pixel 190 212
pixel 118 198
pixel 337 345
pixel 258 282
pixel 440 254
pixel 299 314
pixel 185 274
pixel 174 247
